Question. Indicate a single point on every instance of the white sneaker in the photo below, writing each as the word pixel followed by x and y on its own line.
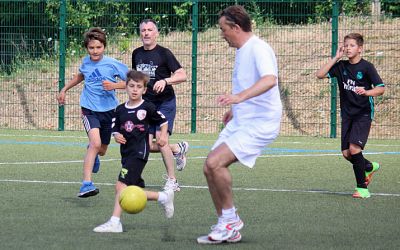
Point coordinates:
pixel 225 229
pixel 181 156
pixel 235 238
pixel 171 184
pixel 168 205
pixel 109 227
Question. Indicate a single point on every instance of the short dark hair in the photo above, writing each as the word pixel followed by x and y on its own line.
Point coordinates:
pixel 236 14
pixel 148 20
pixel 356 36
pixel 95 33
pixel 137 76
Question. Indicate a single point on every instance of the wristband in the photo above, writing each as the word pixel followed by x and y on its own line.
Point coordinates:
pixel 166 83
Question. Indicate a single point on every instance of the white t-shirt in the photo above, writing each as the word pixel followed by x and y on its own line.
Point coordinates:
pixel 254 60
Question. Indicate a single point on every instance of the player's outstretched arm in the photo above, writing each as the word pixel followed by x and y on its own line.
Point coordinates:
pixel 377 91
pixel 71 83
pixel 323 71
pixel 177 77
pixel 119 138
pixel 109 85
pixel 264 84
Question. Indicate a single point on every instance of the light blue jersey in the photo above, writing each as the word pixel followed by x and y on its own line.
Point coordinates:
pixel 94 96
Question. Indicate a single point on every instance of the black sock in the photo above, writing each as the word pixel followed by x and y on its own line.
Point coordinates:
pixel 359 169
pixel 368 165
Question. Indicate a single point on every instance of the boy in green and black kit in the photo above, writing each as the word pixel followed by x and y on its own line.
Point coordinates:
pixel 358 83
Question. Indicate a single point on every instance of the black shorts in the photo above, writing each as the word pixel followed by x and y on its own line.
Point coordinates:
pixel 101 120
pixel 355 131
pixel 131 172
pixel 168 109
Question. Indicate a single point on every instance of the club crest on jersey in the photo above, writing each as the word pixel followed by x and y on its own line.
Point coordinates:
pixel 141 114
pixel 359 75
pixel 129 126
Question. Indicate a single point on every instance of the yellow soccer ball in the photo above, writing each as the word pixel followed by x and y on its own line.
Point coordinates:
pixel 133 199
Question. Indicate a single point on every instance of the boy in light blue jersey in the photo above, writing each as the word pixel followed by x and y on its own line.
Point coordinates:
pixel 98 101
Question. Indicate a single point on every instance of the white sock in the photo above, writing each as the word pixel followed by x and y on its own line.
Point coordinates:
pixel 229 214
pixel 162 197
pixel 115 219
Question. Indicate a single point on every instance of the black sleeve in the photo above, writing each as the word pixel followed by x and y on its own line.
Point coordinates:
pixel 334 71
pixel 155 116
pixel 115 125
pixel 374 76
pixel 133 59
pixel 172 62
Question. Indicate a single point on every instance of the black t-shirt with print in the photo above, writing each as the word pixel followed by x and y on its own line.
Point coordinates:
pixel 349 76
pixel 133 124
pixel 159 63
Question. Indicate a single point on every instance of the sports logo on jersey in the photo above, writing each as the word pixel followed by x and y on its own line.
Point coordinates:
pixel 147 68
pixel 96 76
pixel 161 114
pixel 129 126
pixel 359 75
pixel 141 114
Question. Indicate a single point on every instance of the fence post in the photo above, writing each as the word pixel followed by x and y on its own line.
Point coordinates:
pixel 335 37
pixel 195 30
pixel 61 67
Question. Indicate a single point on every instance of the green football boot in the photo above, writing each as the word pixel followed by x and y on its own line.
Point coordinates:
pixel 368 175
pixel 361 193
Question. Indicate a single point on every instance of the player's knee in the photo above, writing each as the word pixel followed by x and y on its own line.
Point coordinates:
pixel 210 165
pixel 154 147
pixel 95 146
pixel 346 155
pixel 354 150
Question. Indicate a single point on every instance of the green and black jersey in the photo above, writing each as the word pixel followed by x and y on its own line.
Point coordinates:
pixel 349 76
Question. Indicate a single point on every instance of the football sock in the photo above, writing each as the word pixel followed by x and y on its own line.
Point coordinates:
pixel 229 214
pixel 359 169
pixel 368 165
pixel 115 219
pixel 86 182
pixel 162 197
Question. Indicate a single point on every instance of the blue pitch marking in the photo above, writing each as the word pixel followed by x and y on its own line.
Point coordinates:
pixel 50 143
pixel 265 150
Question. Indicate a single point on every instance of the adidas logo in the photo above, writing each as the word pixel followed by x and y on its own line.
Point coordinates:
pixel 96 76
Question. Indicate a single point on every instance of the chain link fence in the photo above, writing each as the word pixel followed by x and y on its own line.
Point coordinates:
pixel 41 49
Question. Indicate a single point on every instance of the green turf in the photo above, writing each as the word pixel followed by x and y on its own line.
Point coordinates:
pixel 298 196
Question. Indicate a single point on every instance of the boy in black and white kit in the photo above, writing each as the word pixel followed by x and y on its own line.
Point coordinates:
pixel 131 129
pixel 358 83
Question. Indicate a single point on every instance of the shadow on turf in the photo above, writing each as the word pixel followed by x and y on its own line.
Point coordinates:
pixel 320 191
pixel 80 202
pixel 167 231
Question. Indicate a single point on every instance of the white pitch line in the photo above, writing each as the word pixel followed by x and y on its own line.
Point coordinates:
pixel 205 187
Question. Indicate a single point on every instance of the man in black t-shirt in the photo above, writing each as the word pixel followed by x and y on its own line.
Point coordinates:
pixel 358 83
pixel 164 71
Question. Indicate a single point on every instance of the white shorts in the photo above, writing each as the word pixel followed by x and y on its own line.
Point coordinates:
pixel 247 140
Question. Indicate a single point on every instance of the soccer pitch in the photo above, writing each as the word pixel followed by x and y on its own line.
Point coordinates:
pixel 298 196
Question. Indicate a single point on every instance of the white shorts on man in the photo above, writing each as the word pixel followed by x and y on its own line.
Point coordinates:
pixel 248 139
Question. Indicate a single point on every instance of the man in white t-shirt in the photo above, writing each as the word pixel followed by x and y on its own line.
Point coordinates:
pixel 252 122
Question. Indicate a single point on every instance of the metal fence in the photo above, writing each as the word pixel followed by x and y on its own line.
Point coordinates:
pixel 41 48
